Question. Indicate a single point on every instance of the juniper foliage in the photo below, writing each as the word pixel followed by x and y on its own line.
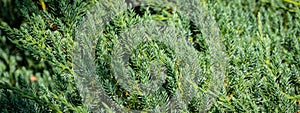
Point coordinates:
pixel 61 56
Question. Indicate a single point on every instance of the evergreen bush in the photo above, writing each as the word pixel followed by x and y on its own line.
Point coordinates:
pixel 152 56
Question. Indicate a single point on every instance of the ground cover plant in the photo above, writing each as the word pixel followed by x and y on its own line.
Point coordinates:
pixel 48 47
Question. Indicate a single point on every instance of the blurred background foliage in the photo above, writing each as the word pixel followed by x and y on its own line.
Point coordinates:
pixel 261 40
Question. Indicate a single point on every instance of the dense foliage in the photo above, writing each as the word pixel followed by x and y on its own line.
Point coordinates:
pixel 38 73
